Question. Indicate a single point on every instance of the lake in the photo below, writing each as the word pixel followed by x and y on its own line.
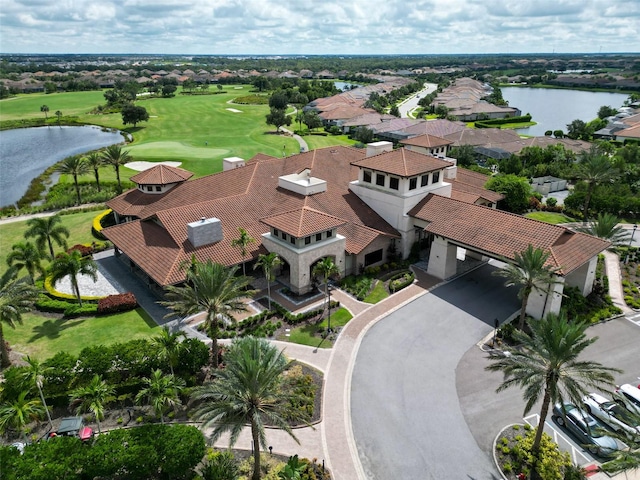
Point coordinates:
pixel 27 152
pixel 554 109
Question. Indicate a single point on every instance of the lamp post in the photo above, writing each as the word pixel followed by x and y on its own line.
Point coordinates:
pixel 496 324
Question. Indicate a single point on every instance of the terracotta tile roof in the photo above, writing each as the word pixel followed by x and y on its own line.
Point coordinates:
pixel 482 136
pixel 303 222
pixel 403 162
pixel 344 112
pixel 470 177
pixel 161 175
pixel 502 234
pixel 459 186
pixel 437 127
pixel 427 141
pixel 240 198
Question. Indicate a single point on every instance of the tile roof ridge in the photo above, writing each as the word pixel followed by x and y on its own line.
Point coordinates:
pixel 555 260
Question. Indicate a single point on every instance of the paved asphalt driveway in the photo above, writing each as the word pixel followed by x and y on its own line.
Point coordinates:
pixel 407 420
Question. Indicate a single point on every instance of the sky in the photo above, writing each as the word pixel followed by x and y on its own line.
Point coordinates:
pixel 316 27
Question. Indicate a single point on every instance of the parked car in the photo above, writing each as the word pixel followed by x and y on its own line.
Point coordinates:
pixel 628 396
pixel 613 414
pixel 73 427
pixel 589 431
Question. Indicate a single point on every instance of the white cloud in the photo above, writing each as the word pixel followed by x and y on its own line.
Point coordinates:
pixel 317 27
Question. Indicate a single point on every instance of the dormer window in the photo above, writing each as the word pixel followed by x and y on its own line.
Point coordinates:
pixel 436 177
pixel 413 183
pixel 380 179
pixel 276 232
pixel 424 180
pixel 149 188
pixel 366 176
pixel 292 239
pixel 158 188
pixel 307 240
pixel 318 237
pixel 329 234
pixel 394 183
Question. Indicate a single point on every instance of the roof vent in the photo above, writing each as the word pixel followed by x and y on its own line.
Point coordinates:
pixel 303 183
pixel 230 163
pixel 205 231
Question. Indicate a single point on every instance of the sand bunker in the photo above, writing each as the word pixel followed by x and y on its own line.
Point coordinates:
pixel 234 110
pixel 140 166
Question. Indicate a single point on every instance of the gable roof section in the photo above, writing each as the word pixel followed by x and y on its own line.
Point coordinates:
pixel 161 175
pixel 403 162
pixel 427 141
pixel 502 234
pixel 303 222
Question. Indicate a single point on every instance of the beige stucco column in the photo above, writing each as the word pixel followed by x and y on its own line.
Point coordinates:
pixel 442 259
pixel 584 276
pixel 540 303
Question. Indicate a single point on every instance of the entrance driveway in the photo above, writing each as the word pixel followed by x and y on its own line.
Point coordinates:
pixel 407 420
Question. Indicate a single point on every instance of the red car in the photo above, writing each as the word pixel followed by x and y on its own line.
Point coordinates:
pixel 73 427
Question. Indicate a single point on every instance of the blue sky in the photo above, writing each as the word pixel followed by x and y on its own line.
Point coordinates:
pixel 319 26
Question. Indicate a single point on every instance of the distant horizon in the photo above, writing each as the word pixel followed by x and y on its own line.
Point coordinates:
pixel 289 55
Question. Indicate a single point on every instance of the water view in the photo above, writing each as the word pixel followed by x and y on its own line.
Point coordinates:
pixel 553 109
pixel 26 152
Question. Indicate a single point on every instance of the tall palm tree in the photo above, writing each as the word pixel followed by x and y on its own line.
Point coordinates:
pixel 93 398
pixel 46 231
pixel 326 269
pixel 71 265
pixel 594 169
pixel 116 157
pixel 26 255
pixel 169 345
pixel 16 414
pixel 268 263
pixel 214 289
pixel 161 392
pixel 59 115
pixel 242 242
pixel 34 374
pixel 529 272
pixel 16 297
pixel 95 161
pixel 74 166
pixel 606 226
pixel 248 391
pixel 45 109
pixel 546 364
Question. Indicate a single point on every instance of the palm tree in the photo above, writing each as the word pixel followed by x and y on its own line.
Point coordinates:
pixel 34 374
pixel 606 226
pixel 214 289
pixel 59 115
pixel 46 231
pixel 546 364
pixel 326 269
pixel 95 161
pixel 16 297
pixel 71 265
pixel 269 263
pixel 45 109
pixel 161 392
pixel 248 391
pixel 75 166
pixel 242 242
pixel 18 413
pixel 594 169
pixel 116 157
pixel 529 272
pixel 93 398
pixel 26 255
pixel 169 346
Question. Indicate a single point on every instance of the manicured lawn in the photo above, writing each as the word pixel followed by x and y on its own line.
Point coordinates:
pixel 79 225
pixel 306 335
pixel 550 217
pixel 42 337
pixel 378 293
pixel 69 103
pixel 319 141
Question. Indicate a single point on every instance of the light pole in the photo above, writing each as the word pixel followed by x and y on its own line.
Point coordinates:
pixel 496 324
pixel 635 227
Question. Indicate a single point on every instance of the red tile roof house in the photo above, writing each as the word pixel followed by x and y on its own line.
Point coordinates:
pixel 339 202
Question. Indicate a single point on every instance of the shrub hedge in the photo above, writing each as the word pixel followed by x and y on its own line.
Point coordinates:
pixel 121 302
pixel 501 121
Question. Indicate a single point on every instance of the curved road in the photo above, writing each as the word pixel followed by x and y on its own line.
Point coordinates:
pixel 405 411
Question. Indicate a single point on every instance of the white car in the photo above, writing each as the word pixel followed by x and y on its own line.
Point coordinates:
pixel 629 396
pixel 613 414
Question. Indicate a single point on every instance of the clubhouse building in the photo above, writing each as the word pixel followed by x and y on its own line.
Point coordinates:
pixel 359 207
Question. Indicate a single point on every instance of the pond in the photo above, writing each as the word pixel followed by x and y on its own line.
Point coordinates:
pixel 554 109
pixel 27 152
pixel 344 86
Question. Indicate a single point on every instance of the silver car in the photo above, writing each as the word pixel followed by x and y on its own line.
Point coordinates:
pixel 613 414
pixel 589 431
pixel 629 396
